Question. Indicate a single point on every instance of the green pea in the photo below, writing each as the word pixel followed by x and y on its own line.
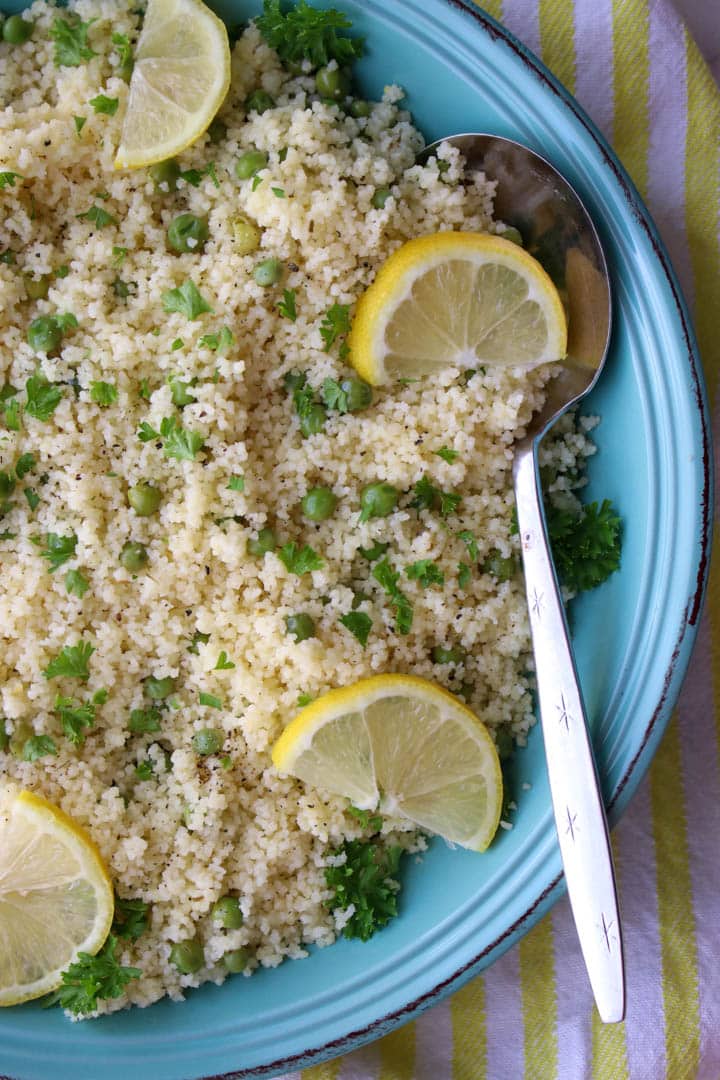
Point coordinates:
pixel 37 288
pixel 133 556
pixel 216 131
pixel 378 500
pixel 332 83
pixel 187 956
pixel 44 334
pixel 360 108
pixel 264 541
pixel 501 567
pixel 441 655
pixel 22 732
pixel 165 175
pixel 301 626
pixel 318 503
pixel 187 233
pixel 207 741
pixel 159 689
pixel 513 235
pixel 249 163
pixel 504 743
pixel 236 960
pixel 246 235
pixel 359 393
pixel 380 197
pixel 226 911
pixel 259 101
pixel 312 422
pixel 17 30
pixel 268 272
pixel 144 499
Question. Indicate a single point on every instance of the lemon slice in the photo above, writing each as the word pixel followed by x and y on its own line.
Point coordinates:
pixel 404 746
pixel 56 898
pixel 456 299
pixel 180 78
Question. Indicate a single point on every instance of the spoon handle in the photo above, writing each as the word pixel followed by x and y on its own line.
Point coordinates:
pixel 577 803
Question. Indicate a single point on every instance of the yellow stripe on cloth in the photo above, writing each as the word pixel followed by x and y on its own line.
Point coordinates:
pixel 631 70
pixel 493 7
pixel 328 1070
pixel 397 1054
pixel 678 945
pixel 467 1009
pixel 557 39
pixel 539 1002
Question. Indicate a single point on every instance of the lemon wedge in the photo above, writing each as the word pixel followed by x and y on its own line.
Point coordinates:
pixel 403 746
pixel 180 78
pixel 56 898
pixel 456 299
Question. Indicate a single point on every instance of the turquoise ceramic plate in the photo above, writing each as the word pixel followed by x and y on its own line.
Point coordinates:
pixel 632 636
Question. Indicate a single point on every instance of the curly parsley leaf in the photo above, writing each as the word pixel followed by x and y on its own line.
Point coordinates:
pixel 388 579
pixel 179 442
pixel 426 572
pixel 58 549
pixel 71 663
pixel 91 979
pixel 365 882
pixel 306 33
pixel 75 718
pixel 71 42
pixel 335 324
pixel 359 624
pixel 299 560
pixel 585 544
pixel 131 917
pixel 186 300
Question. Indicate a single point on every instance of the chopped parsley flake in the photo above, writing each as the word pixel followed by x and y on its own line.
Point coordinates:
pixel 429 497
pixel 98 216
pixel 75 718
pixel 210 700
pixel 388 579
pixel 103 104
pixel 335 324
pixel 447 454
pixel 76 583
pixel 464 575
pixel 71 44
pixel 470 543
pixel 143 721
pixel 58 549
pixel 71 663
pixel 359 624
pixel 7 179
pixel 103 393
pixel 220 342
pixel 38 746
pixel 43 397
pixel 287 307
pixel 223 664
pixel 186 300
pixel 299 560
pixel 375 552
pixel 131 918
pixel 32 498
pixel 236 483
pixel 426 572
pixel 25 464
pixel 179 442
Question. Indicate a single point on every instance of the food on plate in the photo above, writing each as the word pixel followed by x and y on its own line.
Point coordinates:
pixel 211 519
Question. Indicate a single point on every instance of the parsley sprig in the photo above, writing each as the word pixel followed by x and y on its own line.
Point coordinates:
pixel 91 979
pixel 186 299
pixel 307 33
pixel 585 544
pixel 388 579
pixel 365 881
pixel 299 560
pixel 71 42
pixel 430 497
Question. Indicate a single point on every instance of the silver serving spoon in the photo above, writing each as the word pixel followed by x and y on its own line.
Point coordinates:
pixel 555 226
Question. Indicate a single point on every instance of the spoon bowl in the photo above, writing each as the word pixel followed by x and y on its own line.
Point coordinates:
pixel 554 226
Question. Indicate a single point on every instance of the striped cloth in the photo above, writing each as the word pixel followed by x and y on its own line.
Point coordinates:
pixel 635 69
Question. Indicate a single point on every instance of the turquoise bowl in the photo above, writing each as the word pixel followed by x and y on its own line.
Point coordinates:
pixel 632 636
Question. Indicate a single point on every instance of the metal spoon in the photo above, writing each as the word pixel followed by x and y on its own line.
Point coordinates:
pixel 555 226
